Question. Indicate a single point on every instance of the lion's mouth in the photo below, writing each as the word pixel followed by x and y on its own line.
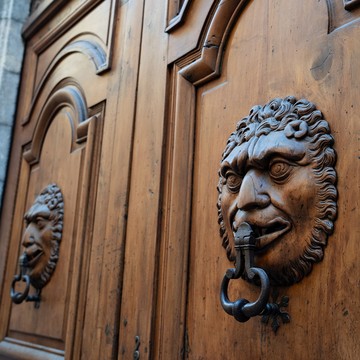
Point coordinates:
pixel 30 258
pixel 268 233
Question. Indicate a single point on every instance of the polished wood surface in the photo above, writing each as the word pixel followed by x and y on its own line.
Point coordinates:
pixel 129 116
pixel 272 51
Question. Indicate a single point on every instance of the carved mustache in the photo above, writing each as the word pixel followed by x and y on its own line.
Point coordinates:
pixel 30 257
pixel 268 231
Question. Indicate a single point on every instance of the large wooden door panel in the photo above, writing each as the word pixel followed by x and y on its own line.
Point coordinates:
pixel 273 49
pixel 92 47
pixel 63 154
pixel 127 107
pixel 58 135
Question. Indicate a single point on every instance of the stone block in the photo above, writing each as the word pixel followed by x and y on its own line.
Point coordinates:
pixel 1 192
pixel 20 11
pixel 5 139
pixel 8 96
pixel 15 9
pixel 13 46
pixel 5 9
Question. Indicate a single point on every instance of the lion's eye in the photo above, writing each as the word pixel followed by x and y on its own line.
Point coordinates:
pixel 280 170
pixel 233 182
pixel 40 222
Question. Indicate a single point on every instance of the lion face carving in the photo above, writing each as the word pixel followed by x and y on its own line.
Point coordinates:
pixel 277 174
pixel 42 236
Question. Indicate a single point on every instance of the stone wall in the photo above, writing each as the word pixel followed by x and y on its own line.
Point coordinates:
pixel 12 16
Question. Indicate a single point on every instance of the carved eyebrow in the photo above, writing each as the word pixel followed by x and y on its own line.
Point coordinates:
pixel 224 168
pixel 43 214
pixel 262 158
pixel 235 161
pixel 32 215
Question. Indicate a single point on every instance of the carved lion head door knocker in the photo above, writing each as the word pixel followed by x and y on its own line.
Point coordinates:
pixel 277 200
pixel 41 243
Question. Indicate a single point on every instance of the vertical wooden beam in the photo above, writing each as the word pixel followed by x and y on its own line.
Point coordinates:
pixel 101 313
pixel 141 253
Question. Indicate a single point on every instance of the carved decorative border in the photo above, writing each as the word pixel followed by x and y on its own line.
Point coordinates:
pixel 207 67
pixel 70 96
pixel 48 9
pixel 89 46
pixel 337 17
pixel 174 22
pixel 86 43
pixel 22 349
pixel 351 4
pixel 45 10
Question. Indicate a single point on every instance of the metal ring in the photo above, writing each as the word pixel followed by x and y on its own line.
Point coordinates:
pixel 255 308
pixel 242 309
pixel 18 297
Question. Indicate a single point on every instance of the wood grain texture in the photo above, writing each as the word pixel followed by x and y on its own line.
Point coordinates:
pixel 182 40
pixel 273 52
pixel 100 337
pixel 132 122
pixel 141 252
pixel 59 143
pixel 176 221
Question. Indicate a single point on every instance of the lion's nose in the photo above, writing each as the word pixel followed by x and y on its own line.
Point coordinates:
pixel 252 192
pixel 28 239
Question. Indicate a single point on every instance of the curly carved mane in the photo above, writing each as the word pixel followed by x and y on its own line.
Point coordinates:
pixel 52 197
pixel 307 121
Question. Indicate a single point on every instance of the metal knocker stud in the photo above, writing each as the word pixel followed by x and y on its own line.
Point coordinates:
pixel 242 309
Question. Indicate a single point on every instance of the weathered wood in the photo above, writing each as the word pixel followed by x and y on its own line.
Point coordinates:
pixel 272 51
pixel 141 252
pixel 131 122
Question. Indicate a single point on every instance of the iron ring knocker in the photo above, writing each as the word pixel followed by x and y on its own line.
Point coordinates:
pixel 18 297
pixel 242 309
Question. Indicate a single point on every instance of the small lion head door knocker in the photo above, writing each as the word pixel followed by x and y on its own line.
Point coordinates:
pixel 277 199
pixel 41 243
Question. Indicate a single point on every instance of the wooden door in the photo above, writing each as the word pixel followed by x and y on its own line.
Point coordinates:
pixel 126 106
pixel 72 145
pixel 250 53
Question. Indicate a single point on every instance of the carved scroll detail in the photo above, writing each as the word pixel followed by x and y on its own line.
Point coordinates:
pixel 277 174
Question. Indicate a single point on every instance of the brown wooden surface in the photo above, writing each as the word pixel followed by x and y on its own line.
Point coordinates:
pixel 141 253
pixel 69 156
pixel 273 51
